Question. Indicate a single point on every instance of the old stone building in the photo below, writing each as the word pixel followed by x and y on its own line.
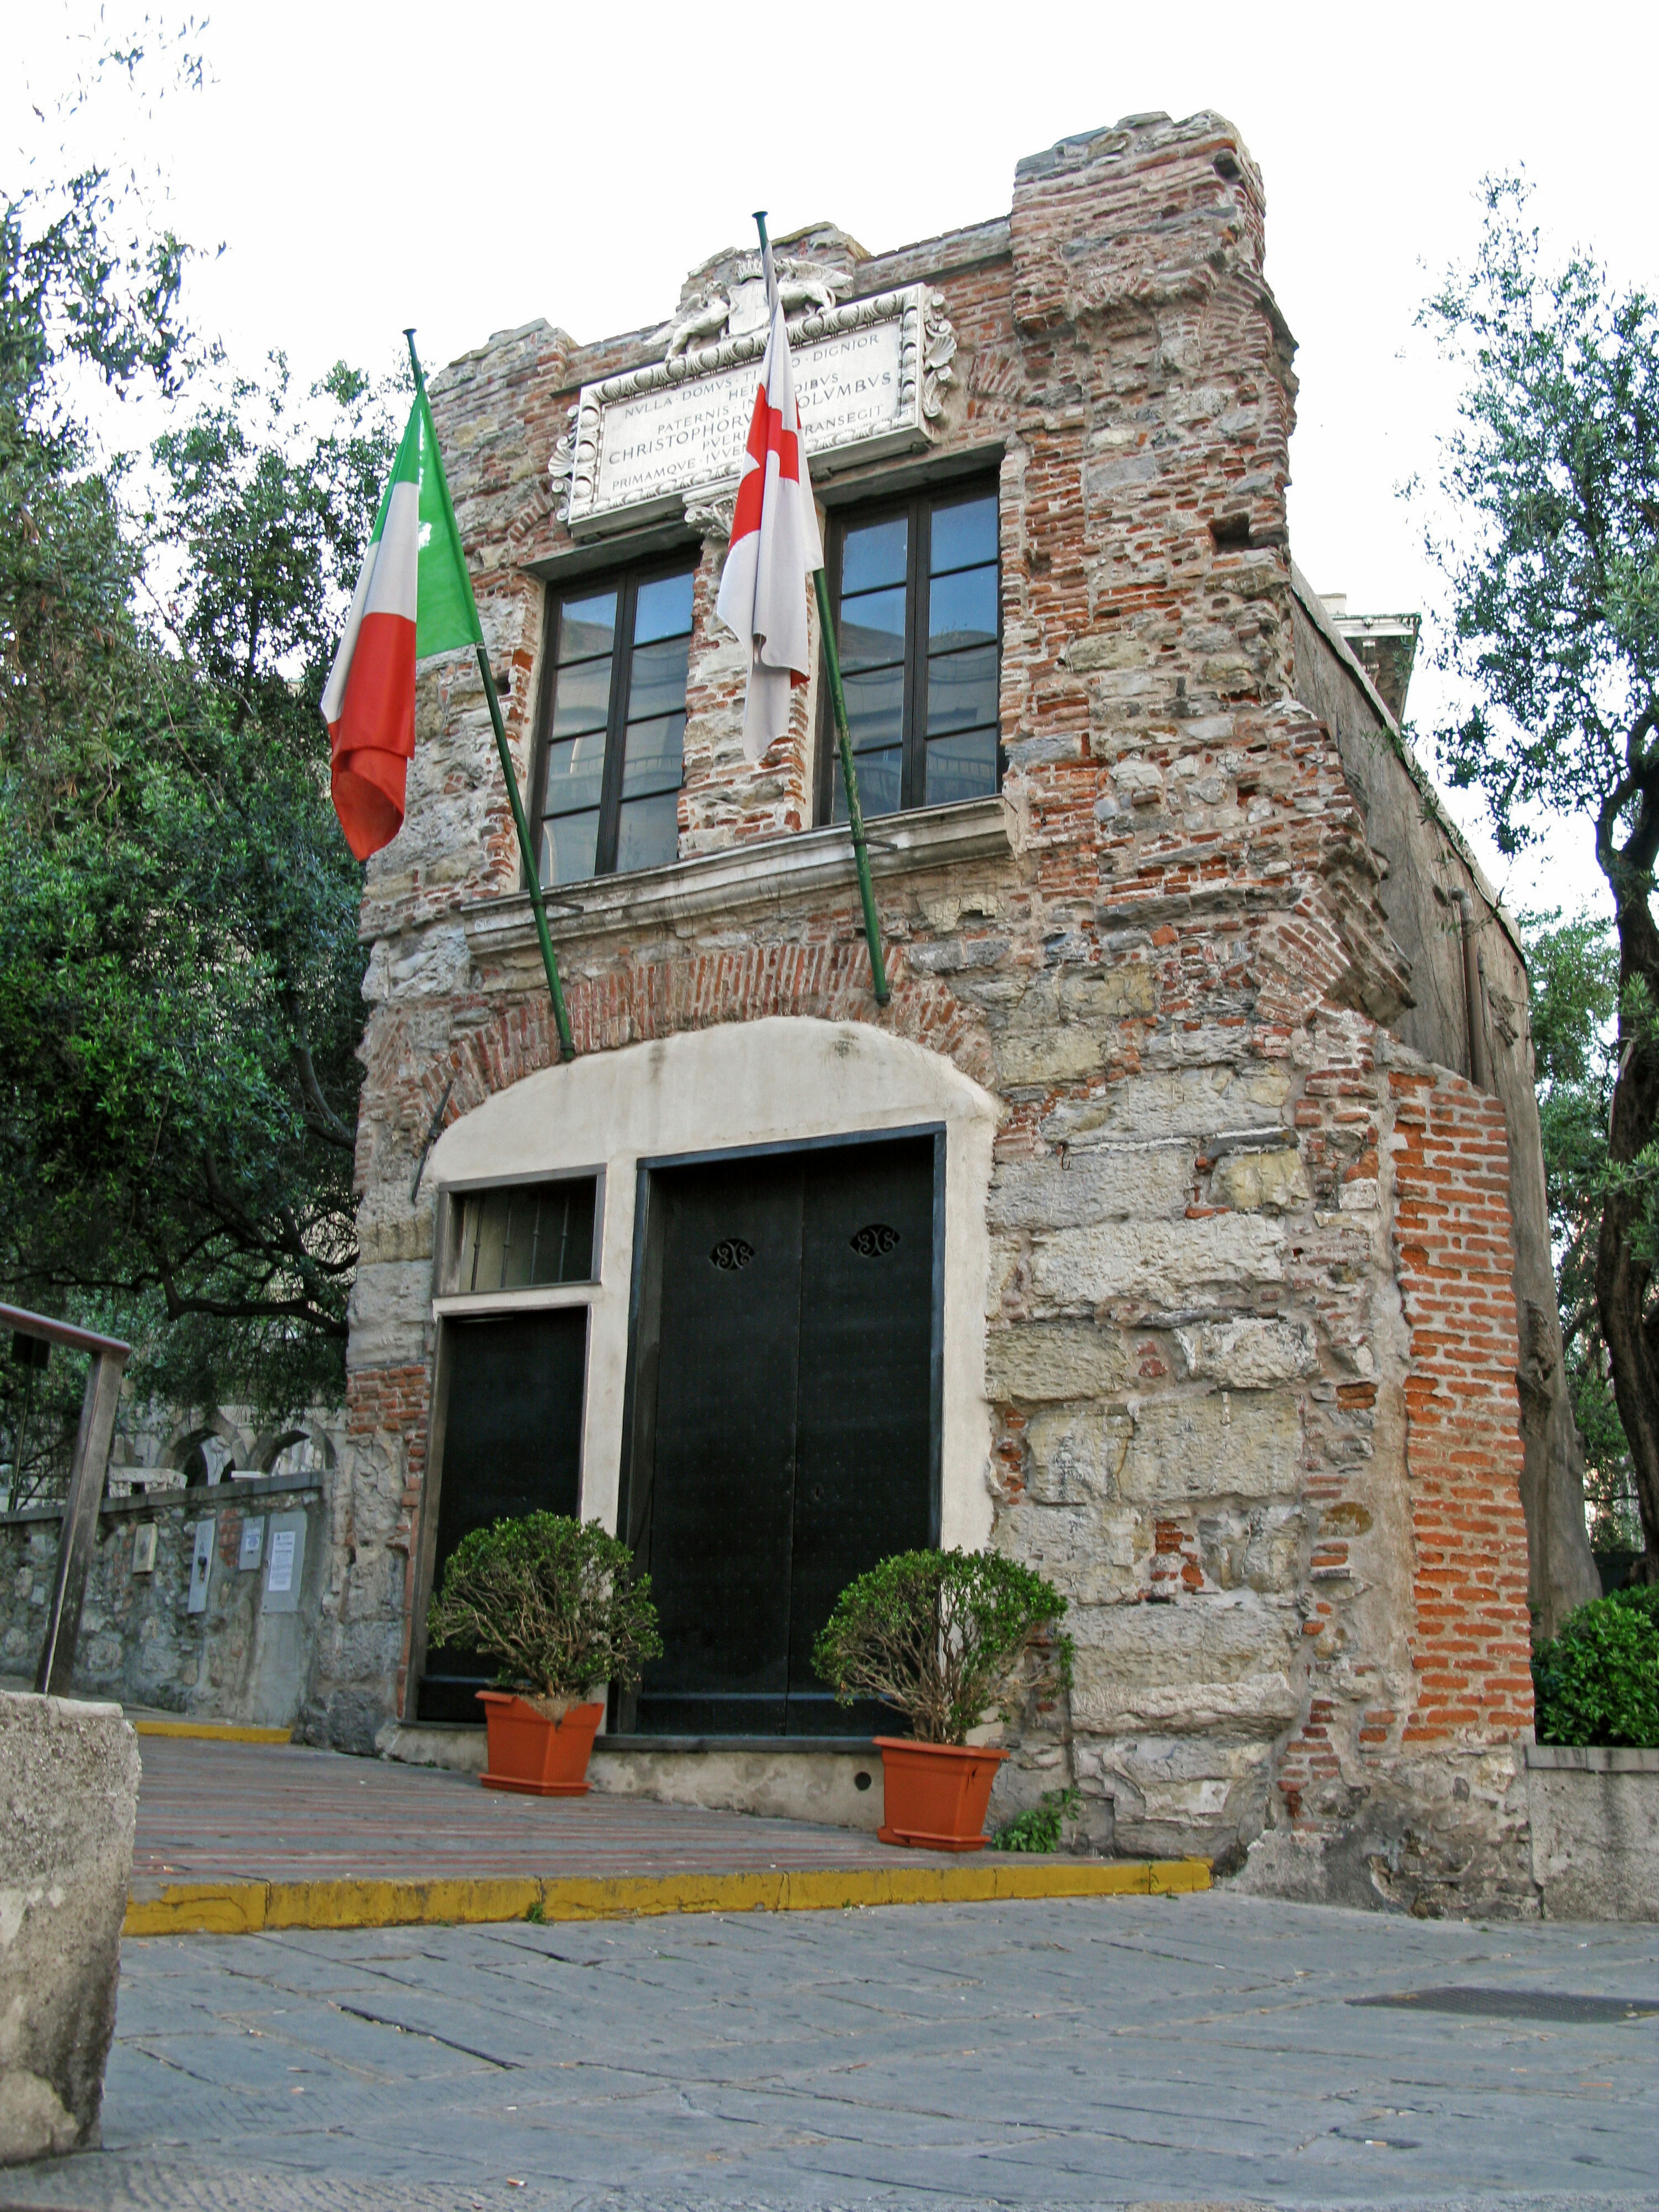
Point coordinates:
pixel 1179 1226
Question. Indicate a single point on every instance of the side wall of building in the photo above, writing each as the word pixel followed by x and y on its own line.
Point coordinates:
pixel 1430 885
pixel 1208 1376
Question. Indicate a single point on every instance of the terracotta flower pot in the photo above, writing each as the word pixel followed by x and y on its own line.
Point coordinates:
pixel 535 1755
pixel 937 1794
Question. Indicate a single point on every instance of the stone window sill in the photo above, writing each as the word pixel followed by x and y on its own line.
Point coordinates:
pixel 761 873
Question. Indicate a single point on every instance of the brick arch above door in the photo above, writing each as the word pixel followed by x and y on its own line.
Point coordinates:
pixel 771 1082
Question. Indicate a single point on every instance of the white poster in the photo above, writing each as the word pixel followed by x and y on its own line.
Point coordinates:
pixel 281 1560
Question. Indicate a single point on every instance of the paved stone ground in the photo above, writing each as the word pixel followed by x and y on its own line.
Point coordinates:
pixel 1211 2049
pixel 209 1811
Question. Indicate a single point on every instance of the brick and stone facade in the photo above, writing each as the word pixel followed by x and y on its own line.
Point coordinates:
pixel 1252 1344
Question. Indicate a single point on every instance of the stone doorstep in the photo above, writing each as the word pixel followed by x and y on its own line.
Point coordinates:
pixel 834 1782
pixel 1594 1757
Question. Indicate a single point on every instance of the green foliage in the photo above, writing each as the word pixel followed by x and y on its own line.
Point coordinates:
pixel 1555 473
pixel 1038 1827
pixel 180 977
pixel 554 1599
pixel 1598 1681
pixel 939 1636
pixel 1573 970
pixel 84 295
pixel 1551 560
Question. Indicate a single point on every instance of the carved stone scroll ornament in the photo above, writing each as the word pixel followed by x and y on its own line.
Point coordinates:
pixel 710 513
pixel 737 306
pixel 561 465
pixel 939 351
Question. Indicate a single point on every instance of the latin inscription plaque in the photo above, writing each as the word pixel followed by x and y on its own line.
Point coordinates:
pixel 864 381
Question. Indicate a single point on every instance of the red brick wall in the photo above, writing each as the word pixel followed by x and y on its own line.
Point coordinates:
pixel 1471 1639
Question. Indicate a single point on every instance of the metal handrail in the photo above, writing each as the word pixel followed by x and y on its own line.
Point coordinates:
pixel 61 1332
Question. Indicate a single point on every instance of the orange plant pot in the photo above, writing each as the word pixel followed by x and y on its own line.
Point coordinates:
pixel 936 1794
pixel 532 1754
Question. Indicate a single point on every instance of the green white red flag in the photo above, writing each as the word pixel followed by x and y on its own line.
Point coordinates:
pixel 413 598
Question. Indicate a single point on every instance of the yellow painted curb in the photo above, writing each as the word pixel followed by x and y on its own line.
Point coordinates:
pixel 216 1731
pixel 242 1908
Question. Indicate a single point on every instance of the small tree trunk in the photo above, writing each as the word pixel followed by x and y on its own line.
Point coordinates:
pixel 1622 1279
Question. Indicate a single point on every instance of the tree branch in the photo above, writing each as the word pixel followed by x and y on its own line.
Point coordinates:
pixel 320 1116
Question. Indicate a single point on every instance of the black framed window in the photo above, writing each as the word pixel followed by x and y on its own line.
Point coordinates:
pixel 914 584
pixel 526 1234
pixel 613 750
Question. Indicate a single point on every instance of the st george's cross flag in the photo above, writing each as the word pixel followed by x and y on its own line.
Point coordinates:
pixel 413 598
pixel 775 544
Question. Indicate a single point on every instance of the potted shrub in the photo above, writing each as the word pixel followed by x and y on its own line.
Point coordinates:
pixel 557 1602
pixel 938 1637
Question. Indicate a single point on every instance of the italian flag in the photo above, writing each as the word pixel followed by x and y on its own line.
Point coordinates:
pixel 414 597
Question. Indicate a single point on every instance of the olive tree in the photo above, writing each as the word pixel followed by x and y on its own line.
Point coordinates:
pixel 1551 478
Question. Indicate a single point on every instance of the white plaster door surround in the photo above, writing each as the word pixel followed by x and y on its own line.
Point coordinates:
pixel 779 1080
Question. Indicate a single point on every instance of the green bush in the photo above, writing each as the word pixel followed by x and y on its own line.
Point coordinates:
pixel 555 1601
pixel 1598 1681
pixel 1037 1828
pixel 939 1635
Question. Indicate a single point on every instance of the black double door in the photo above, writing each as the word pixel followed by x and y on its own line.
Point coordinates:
pixel 784 1438
pixel 512 1430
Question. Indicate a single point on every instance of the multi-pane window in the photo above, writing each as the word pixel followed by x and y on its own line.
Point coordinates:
pixel 529 1233
pixel 916 589
pixel 616 730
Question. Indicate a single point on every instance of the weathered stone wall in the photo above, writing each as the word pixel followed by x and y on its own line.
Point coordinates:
pixel 1167 957
pixel 138 1645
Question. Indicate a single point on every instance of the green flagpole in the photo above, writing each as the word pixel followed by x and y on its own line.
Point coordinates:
pixel 532 873
pixel 844 741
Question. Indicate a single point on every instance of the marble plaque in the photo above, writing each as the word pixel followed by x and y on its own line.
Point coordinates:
pixel 643 440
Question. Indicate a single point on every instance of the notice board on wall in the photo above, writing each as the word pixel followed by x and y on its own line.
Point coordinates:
pixel 285 1559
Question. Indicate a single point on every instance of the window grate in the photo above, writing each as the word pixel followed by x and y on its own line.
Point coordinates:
pixel 527 1235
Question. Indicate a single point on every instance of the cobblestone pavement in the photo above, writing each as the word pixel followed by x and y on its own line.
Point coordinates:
pixel 1210 2050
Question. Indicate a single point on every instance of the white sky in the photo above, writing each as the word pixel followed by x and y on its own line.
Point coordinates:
pixel 468 168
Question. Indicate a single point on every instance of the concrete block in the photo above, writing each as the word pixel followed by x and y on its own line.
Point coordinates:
pixel 1077 1452
pixel 1194 1102
pixel 1162 1262
pixel 1051 1360
pixel 1185 1449
pixel 1247 1355
pixel 69 1797
pixel 1254 1182
pixel 1125 1182
pixel 1595 1815
pixel 1200 1663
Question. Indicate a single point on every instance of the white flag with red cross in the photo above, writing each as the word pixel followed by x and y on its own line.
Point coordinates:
pixel 775 545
